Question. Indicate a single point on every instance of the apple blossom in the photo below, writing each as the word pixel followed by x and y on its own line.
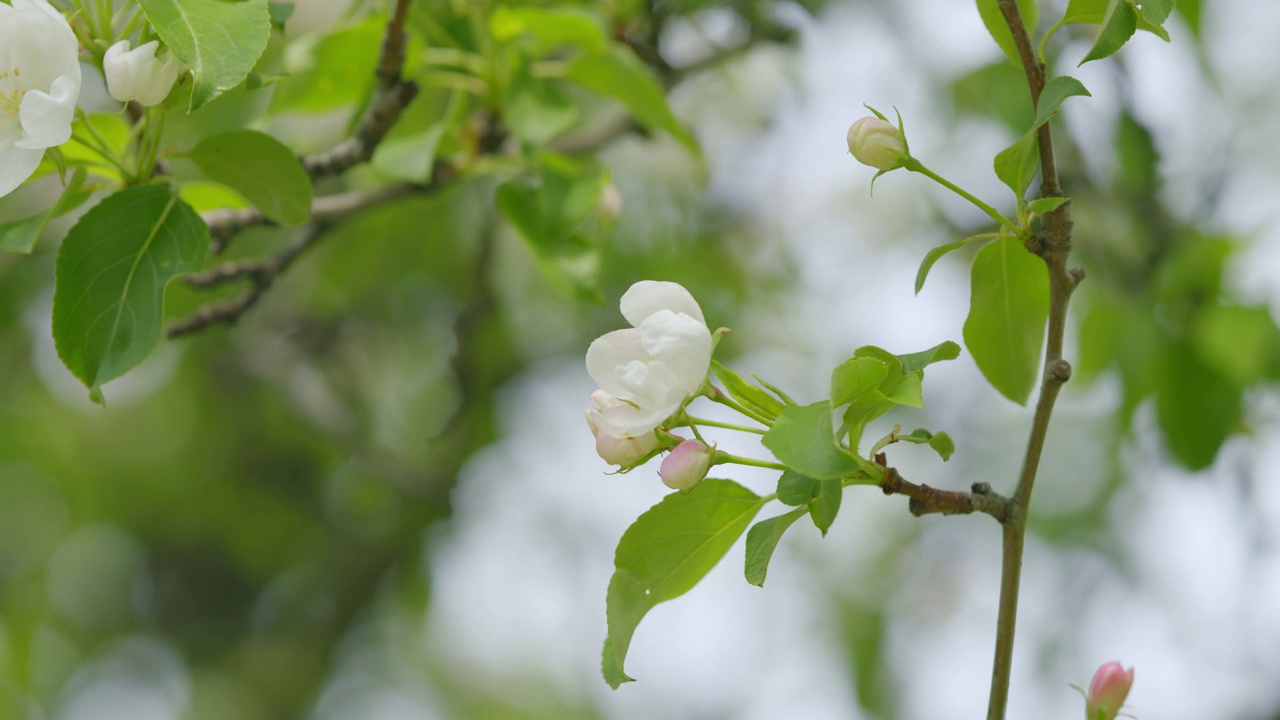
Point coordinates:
pixel 138 74
pixel 652 367
pixel 686 466
pixel 1107 692
pixel 39 86
pixel 621 451
pixel 877 143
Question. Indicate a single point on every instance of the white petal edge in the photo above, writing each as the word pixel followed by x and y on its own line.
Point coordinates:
pixel 649 296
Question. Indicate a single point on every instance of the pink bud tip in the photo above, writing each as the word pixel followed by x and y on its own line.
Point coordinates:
pixel 685 467
pixel 1108 691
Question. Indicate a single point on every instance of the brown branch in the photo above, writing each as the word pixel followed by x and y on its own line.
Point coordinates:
pixel 926 500
pixel 1053 245
pixel 261 274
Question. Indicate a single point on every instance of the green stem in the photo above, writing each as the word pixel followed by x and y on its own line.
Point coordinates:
pixel 718 396
pixel 728 426
pixel 915 165
pixel 723 457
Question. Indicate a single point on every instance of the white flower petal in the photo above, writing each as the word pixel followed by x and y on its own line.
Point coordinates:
pixel 610 352
pixel 650 384
pixel 16 165
pixel 682 344
pixel 649 296
pixel 46 117
pixel 625 421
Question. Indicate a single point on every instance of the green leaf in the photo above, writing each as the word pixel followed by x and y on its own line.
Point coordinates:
pixel 538 110
pixel 570 262
pixel 560 26
pixel 260 168
pixel 855 377
pixel 796 489
pixel 824 508
pixel 943 445
pixel 1008 307
pixel 410 158
pixel 1196 407
pixel 112 269
pixel 745 393
pixel 620 75
pixel 338 72
pixel 218 41
pixel 936 254
pixel 1156 11
pixel 1016 164
pixel 667 551
pixel 1118 25
pixel 762 540
pixel 20 236
pixel 1094 12
pixel 802 439
pixel 1240 343
pixel 908 392
pixel 999 29
pixel 1055 92
pixel 913 362
pixel 1043 205
pixel 279 12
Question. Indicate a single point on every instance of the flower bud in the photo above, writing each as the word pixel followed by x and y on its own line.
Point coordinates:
pixel 685 467
pixel 609 204
pixel 1107 692
pixel 138 74
pixel 877 143
pixel 620 451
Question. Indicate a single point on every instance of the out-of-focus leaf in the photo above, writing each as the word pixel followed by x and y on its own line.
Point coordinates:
pixel 338 72
pixel 21 236
pixel 1008 307
pixel 666 552
pixel 559 26
pixel 620 75
pixel 260 168
pixel 280 12
pixel 998 91
pixel 1197 408
pixel 218 41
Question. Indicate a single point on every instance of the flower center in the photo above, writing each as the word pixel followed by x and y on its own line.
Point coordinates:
pixel 11 92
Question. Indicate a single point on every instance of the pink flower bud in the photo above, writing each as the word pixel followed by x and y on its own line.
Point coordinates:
pixel 1107 692
pixel 876 143
pixel 620 451
pixel 685 467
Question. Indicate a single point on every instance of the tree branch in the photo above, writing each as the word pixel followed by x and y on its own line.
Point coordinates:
pixel 1053 245
pixel 926 500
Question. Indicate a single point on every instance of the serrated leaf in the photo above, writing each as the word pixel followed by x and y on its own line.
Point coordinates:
pixel 260 168
pixel 744 392
pixel 802 439
pixel 1043 205
pixel 856 376
pixel 218 41
pixel 1118 25
pixel 762 540
pixel 994 20
pixel 666 551
pixel 620 75
pixel 796 489
pixel 824 508
pixel 936 254
pixel 1008 308
pixel 112 269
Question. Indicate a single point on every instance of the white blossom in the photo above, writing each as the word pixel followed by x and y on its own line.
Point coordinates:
pixel 39 86
pixel 621 451
pixel 654 365
pixel 138 74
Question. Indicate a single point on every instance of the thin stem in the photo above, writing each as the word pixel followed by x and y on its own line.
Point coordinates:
pixel 1053 246
pixel 727 426
pixel 717 396
pixel 916 166
pixel 723 457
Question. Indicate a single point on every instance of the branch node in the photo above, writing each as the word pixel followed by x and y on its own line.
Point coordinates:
pixel 1077 275
pixel 1060 370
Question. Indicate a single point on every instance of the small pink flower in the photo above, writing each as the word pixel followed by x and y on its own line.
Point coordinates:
pixel 685 467
pixel 624 451
pixel 1107 692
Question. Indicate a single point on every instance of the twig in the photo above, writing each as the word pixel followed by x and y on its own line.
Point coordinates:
pixel 1054 246
pixel 926 500
pixel 261 274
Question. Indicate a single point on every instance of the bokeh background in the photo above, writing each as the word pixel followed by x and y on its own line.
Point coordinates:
pixel 376 497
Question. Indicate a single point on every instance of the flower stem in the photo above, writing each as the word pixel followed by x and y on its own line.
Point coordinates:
pixel 915 165
pixel 724 457
pixel 728 426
